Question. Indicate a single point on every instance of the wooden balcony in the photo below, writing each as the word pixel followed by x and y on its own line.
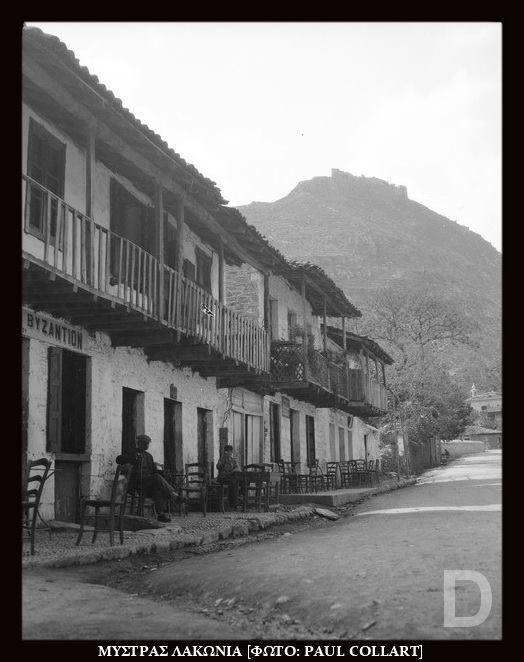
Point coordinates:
pixel 83 272
pixel 312 377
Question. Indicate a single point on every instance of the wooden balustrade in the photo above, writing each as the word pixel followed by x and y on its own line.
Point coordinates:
pixel 288 366
pixel 74 245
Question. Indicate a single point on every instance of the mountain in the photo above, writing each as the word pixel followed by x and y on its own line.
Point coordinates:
pixel 367 234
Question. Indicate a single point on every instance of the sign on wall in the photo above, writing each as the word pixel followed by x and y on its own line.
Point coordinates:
pixel 285 406
pixel 45 327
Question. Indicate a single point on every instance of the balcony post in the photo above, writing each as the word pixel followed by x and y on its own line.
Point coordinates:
pixel 324 318
pixel 221 294
pixel 90 166
pixel 266 302
pixel 179 263
pixel 306 340
pixel 344 340
pixel 159 222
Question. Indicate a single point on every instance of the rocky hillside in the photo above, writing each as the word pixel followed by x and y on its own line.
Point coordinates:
pixel 367 234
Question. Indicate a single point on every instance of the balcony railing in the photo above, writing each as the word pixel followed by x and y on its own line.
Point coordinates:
pixel 73 245
pixel 293 366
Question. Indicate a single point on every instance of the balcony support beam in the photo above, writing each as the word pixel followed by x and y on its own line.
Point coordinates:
pixel 159 224
pixel 344 339
pixel 221 283
pixel 266 303
pixel 305 345
pixel 324 319
pixel 90 165
pixel 180 219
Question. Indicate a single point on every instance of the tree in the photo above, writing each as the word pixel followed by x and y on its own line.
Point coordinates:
pixel 420 328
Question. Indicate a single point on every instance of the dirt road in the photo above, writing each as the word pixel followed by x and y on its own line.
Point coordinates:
pixel 377 574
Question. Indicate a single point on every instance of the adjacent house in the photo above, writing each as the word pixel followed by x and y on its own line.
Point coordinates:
pixel 150 306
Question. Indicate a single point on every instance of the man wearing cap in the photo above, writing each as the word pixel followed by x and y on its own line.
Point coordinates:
pixel 146 478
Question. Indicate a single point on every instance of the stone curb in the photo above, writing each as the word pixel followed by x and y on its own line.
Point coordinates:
pixel 241 527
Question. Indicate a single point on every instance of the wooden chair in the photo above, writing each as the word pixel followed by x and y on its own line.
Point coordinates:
pixel 347 476
pixel 317 479
pixel 116 503
pixel 177 481
pixel 32 495
pixel 218 495
pixel 332 470
pixel 195 486
pixel 256 489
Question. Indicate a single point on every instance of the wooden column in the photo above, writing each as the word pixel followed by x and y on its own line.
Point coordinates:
pixel 159 223
pixel 344 340
pixel 266 303
pixel 383 373
pixel 221 282
pixel 90 167
pixel 179 261
pixel 324 319
pixel 306 340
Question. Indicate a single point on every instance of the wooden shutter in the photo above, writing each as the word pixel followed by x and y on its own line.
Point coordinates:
pixel 54 401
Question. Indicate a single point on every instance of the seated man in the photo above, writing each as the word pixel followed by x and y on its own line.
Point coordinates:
pixel 147 480
pixel 228 474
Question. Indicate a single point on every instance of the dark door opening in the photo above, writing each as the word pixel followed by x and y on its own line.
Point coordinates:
pixel 132 418
pixel 274 432
pixel 205 439
pixel 342 444
pixel 310 440
pixel 365 447
pixel 294 435
pixel 173 461
pixel 67 427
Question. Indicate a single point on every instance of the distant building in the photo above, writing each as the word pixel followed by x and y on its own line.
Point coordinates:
pixel 488 406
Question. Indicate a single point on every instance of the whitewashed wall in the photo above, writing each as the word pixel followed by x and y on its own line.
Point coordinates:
pixel 112 369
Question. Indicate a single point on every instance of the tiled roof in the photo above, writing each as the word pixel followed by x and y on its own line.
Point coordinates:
pixel 52 44
pixel 335 333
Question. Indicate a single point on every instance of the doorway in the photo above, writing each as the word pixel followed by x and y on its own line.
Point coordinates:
pixel 332 443
pixel 205 439
pixel 294 435
pixel 310 440
pixel 173 460
pixel 365 447
pixel 274 432
pixel 132 418
pixel 342 444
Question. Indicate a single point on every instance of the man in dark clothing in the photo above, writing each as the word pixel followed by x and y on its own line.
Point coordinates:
pixel 146 479
pixel 228 474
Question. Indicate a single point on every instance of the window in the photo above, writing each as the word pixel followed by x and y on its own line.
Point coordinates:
pixel 46 165
pixel 203 269
pixel 67 401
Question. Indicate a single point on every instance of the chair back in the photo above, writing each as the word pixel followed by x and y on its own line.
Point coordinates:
pixel 34 482
pixel 344 467
pixel 196 474
pixel 371 465
pixel 360 465
pixel 332 468
pixel 315 468
pixel 253 467
pixel 377 465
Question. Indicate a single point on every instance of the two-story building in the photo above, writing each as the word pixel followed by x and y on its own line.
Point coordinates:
pixel 150 306
pixel 324 380
pixel 487 406
pixel 125 328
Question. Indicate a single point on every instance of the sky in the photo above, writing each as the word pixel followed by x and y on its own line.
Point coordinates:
pixel 259 107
